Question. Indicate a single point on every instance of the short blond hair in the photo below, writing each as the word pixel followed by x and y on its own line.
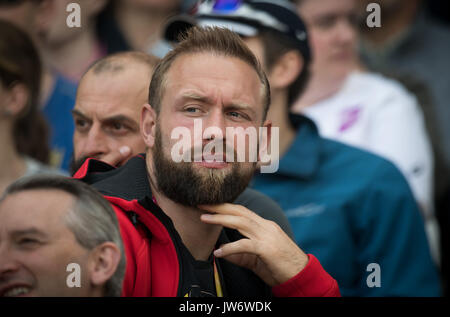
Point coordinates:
pixel 215 40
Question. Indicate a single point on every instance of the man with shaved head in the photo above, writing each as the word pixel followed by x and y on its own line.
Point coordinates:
pixel 107 109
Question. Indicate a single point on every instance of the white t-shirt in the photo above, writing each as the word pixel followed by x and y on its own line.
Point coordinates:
pixel 379 115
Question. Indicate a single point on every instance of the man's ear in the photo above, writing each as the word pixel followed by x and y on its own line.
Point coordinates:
pixel 16 99
pixel 286 70
pixel 104 261
pixel 148 125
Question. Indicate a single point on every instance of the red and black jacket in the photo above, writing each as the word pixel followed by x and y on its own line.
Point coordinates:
pixel 156 263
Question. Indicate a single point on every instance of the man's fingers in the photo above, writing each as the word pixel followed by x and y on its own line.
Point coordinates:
pixel 227 209
pixel 242 246
pixel 243 225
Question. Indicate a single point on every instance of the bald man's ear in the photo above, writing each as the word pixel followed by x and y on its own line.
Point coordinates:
pixel 104 261
pixel 148 125
pixel 286 70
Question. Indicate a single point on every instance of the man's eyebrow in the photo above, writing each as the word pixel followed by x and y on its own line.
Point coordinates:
pixel 327 16
pixel 207 100
pixel 112 119
pixel 28 231
pixel 120 118
pixel 239 106
pixel 78 113
pixel 195 96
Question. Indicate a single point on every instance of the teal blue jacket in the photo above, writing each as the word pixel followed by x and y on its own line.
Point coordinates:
pixel 351 208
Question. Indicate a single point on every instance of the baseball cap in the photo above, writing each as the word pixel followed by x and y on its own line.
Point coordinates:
pixel 246 18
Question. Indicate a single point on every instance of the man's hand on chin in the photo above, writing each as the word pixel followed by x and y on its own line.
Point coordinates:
pixel 266 250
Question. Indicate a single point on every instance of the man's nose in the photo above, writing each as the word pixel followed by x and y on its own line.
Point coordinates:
pixel 345 31
pixel 7 263
pixel 94 144
pixel 214 124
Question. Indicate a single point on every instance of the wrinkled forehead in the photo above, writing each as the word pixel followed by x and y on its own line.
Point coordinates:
pixel 212 73
pixel 119 72
pixel 43 208
pixel 119 92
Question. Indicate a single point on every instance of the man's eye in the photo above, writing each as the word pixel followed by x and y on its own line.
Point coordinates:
pixel 237 115
pixel 118 126
pixel 80 122
pixel 326 22
pixel 192 110
pixel 81 125
pixel 28 242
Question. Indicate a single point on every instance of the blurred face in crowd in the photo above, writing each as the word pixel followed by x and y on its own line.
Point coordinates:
pixel 219 92
pixel 333 37
pixel 57 32
pixel 107 112
pixel 36 246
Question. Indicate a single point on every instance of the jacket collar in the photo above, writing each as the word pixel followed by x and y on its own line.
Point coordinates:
pixel 302 159
pixel 129 182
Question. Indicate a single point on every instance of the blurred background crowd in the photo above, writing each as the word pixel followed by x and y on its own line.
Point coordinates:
pixel 403 66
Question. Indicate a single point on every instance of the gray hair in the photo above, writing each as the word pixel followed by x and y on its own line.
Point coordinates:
pixel 92 219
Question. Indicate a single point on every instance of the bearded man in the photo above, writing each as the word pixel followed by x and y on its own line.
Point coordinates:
pixel 182 235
